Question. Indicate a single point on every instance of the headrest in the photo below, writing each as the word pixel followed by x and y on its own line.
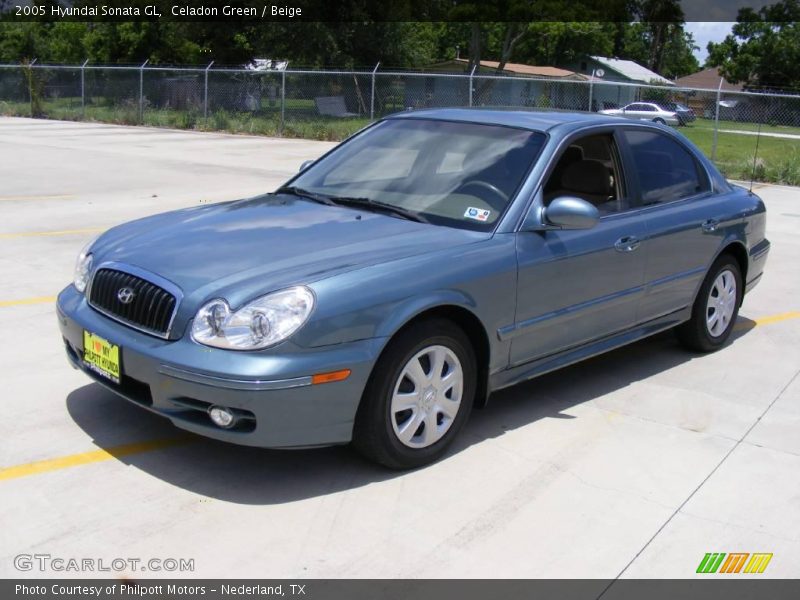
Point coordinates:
pixel 586 176
pixel 572 154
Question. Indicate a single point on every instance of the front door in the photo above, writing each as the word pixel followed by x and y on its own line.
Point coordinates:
pixel 581 285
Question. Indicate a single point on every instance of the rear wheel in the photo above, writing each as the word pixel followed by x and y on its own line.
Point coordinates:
pixel 716 307
pixel 418 397
pixel 660 121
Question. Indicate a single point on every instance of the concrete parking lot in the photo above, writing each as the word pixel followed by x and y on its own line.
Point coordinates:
pixel 633 464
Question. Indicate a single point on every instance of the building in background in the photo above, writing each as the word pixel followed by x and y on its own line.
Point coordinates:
pixel 518 85
pixel 703 104
pixel 601 69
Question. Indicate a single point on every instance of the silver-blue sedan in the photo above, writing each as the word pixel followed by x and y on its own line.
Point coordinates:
pixel 396 282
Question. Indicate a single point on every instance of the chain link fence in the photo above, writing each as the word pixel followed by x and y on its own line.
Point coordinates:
pixel 330 105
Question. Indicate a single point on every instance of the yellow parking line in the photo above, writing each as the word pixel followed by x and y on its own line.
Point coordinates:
pixel 4 236
pixel 85 458
pixel 778 318
pixel 38 197
pixel 21 301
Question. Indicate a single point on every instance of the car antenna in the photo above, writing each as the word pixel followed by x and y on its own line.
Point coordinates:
pixel 755 158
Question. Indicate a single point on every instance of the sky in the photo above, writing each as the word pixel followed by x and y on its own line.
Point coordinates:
pixel 707 32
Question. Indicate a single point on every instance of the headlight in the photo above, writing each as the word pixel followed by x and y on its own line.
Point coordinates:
pixel 83 267
pixel 263 322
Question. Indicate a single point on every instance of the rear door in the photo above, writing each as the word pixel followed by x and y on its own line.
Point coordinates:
pixel 649 112
pixel 682 218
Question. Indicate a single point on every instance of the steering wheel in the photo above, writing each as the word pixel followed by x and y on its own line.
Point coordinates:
pixel 498 193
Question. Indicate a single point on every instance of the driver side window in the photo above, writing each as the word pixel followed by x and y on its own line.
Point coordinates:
pixel 589 169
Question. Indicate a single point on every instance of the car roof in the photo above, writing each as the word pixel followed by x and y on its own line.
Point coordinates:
pixel 525 119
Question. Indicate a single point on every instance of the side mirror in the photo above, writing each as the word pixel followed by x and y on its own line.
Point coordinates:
pixel 569 212
pixel 305 165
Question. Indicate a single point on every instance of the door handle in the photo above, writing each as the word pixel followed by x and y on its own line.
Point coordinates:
pixel 710 225
pixel 628 243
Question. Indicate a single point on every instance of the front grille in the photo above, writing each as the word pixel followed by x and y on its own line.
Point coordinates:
pixel 150 309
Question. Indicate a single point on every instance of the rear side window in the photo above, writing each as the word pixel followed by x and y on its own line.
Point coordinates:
pixel 665 169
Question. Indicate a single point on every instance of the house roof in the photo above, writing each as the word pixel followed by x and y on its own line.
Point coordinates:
pixel 532 70
pixel 632 70
pixel 708 79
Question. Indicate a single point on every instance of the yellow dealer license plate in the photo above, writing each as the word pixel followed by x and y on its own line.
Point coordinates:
pixel 101 356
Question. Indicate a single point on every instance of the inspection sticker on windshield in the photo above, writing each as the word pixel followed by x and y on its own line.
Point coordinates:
pixel 479 214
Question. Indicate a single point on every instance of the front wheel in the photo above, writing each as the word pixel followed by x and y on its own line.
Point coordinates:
pixel 660 121
pixel 716 307
pixel 418 397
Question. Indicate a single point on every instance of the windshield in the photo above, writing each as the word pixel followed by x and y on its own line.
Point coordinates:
pixel 457 174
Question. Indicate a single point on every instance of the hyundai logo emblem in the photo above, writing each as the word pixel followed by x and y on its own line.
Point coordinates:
pixel 126 295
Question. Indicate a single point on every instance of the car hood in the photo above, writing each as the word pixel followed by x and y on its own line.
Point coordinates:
pixel 238 250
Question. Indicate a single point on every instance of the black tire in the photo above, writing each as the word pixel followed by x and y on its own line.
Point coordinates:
pixel 660 121
pixel 373 434
pixel 694 334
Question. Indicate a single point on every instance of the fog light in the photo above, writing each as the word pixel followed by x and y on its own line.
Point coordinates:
pixel 222 417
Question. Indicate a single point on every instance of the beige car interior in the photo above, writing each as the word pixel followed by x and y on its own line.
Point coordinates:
pixel 587 169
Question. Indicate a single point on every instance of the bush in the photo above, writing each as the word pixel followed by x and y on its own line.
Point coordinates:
pixel 220 120
pixel 35 86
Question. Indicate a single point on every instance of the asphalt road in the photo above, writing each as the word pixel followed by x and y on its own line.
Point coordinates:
pixel 633 464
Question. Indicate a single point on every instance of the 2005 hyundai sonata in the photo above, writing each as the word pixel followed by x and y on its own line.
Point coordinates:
pixel 393 284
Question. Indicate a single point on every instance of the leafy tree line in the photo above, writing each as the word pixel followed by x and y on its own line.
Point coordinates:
pixel 404 45
pixel 763 49
pixel 537 32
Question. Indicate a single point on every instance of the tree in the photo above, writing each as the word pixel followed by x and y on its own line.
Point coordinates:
pixel 20 41
pixel 661 20
pixel 679 58
pixel 676 56
pixel 560 43
pixel 763 48
pixel 499 28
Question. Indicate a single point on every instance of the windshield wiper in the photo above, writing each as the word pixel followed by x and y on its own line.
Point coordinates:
pixel 296 191
pixel 369 203
pixel 365 203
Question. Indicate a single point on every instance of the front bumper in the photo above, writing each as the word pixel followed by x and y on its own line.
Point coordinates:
pixel 271 390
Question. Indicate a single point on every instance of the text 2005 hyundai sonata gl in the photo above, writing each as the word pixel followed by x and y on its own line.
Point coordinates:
pixel 427 261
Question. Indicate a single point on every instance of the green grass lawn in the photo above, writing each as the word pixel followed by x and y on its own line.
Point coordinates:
pixel 739 126
pixel 778 159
